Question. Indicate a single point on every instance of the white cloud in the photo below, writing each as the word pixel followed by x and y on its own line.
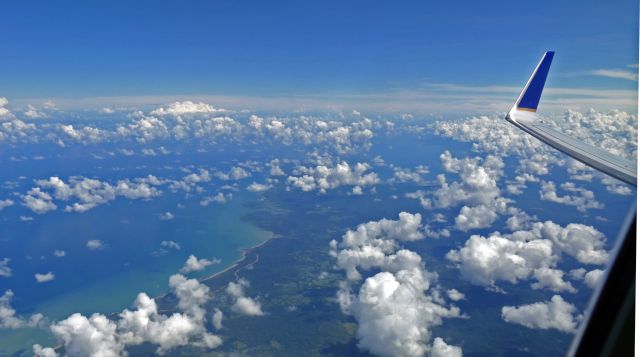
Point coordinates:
pixel 484 261
pixel 477 191
pixel 585 243
pixel 95 244
pixel 167 216
pixel 551 279
pixel 394 314
pixel 615 73
pixel 38 201
pixel 554 314
pixel 616 187
pixel 442 349
pixel 615 131
pixel 170 244
pixel 218 198
pixel 274 168
pixel 243 305
pixel 186 107
pixel 216 319
pixel 402 175
pixel 5 271
pixel 455 295
pixel 577 274
pixel 87 193
pixel 368 244
pixel 97 335
pixel 33 113
pixel 43 278
pixel 59 253
pixel 4 112
pixel 529 254
pixel 323 178
pixel 5 203
pixel 247 306
pixel 395 307
pixel 236 173
pixel 583 199
pixel 478 183
pixel 148 152
pixel 195 264
pixel 8 317
pixel 475 217
pixel 592 278
pixel 258 187
pixel 191 181
pixel 40 351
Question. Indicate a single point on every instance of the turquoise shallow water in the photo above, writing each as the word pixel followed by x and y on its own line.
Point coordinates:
pixel 108 280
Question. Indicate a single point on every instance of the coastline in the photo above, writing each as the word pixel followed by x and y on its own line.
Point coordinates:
pixel 244 252
pixel 243 256
pixel 243 260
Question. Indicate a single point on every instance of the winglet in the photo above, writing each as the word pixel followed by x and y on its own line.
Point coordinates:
pixel 530 96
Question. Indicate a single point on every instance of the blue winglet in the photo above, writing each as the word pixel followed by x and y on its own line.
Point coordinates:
pixel 531 96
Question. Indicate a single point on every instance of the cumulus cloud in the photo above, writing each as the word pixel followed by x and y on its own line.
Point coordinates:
pixel 368 245
pixel 218 198
pixel 33 113
pixel 395 307
pixel 8 317
pixel 593 278
pixel 170 244
pixel 243 305
pixel 186 107
pixel 191 181
pixel 582 198
pixel 87 193
pixel 552 279
pixel 323 178
pixel 95 244
pixel 98 335
pixel 235 173
pixel 43 278
pixel 5 270
pixel 93 336
pixel 477 191
pixel 274 168
pixel 478 183
pixel 442 349
pixel 199 122
pixel 402 175
pixel 258 187
pixel 5 203
pixel 614 131
pixel 195 264
pixel 216 319
pixel 529 254
pixel 38 201
pixel 44 351
pixel 4 112
pixel 553 314
pixel 455 295
pixel 167 216
pixel 475 217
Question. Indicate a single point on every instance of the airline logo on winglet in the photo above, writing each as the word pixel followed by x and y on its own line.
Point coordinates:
pixel 531 95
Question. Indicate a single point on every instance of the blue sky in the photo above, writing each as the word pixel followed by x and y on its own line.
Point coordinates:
pixel 249 49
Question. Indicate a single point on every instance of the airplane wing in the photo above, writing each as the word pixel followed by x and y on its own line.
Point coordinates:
pixel 523 115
